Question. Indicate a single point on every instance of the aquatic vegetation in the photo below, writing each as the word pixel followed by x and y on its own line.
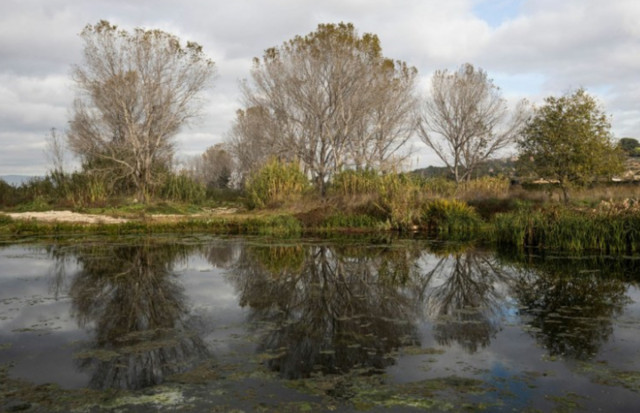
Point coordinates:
pixel 451 218
pixel 353 221
pixel 569 230
pixel 275 183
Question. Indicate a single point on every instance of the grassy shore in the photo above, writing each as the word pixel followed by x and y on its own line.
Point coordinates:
pixel 610 228
pixel 601 219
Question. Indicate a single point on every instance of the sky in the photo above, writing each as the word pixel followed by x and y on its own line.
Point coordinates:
pixel 530 48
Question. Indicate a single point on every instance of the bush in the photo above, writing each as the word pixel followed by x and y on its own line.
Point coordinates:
pixel 5 219
pixel 182 188
pixel 485 187
pixel 356 182
pixel 341 220
pixel 397 196
pixel 275 183
pixel 453 218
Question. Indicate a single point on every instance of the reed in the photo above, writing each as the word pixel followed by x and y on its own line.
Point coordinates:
pixel 343 221
pixel 451 218
pixel 274 184
pixel 182 188
pixel 397 197
pixel 573 230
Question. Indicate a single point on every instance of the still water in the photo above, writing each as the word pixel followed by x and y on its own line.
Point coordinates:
pixel 310 325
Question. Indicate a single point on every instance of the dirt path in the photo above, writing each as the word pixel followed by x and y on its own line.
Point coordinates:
pixel 66 216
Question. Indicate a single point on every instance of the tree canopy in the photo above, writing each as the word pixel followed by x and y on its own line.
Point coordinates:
pixel 330 100
pixel 466 121
pixel 630 146
pixel 136 90
pixel 569 140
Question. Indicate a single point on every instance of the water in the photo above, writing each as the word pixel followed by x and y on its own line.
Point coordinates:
pixel 255 324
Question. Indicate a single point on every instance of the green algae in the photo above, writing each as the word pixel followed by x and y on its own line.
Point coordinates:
pixel 365 392
pixel 601 373
pixel 419 351
pixel 98 354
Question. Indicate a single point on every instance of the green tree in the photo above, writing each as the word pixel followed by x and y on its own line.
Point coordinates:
pixel 331 100
pixel 630 146
pixel 135 91
pixel 569 140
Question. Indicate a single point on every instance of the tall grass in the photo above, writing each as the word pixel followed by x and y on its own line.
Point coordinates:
pixel 271 225
pixel 484 187
pixel 274 184
pixel 451 218
pixel 395 198
pixel 572 230
pixel 182 188
pixel 344 221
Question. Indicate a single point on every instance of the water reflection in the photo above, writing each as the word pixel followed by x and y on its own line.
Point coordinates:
pixel 325 308
pixel 465 296
pixel 328 308
pixel 569 305
pixel 131 299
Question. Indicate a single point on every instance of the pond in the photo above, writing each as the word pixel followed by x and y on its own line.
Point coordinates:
pixel 257 324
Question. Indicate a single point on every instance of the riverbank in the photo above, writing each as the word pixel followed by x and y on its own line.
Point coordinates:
pixel 608 228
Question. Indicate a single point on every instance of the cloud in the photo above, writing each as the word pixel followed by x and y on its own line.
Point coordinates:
pixel 531 48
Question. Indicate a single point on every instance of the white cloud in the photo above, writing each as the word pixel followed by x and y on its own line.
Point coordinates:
pixel 531 48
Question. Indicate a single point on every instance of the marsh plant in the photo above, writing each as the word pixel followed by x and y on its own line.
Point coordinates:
pixel 452 218
pixel 274 184
pixel 609 229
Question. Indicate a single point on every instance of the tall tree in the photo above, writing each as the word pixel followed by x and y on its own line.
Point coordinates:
pixel 214 167
pixel 254 139
pixel 331 100
pixel 569 140
pixel 466 121
pixel 136 90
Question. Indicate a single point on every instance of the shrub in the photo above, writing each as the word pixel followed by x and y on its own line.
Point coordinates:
pixel 453 218
pixel 5 219
pixel 341 220
pixel 485 187
pixel 278 225
pixel 182 188
pixel 439 187
pixel 356 182
pixel 275 183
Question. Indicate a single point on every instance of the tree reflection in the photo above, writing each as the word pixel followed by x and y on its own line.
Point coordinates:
pixel 131 299
pixel 464 294
pixel 569 304
pixel 221 253
pixel 326 309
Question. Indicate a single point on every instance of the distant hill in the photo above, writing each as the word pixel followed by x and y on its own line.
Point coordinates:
pixel 16 180
pixel 494 167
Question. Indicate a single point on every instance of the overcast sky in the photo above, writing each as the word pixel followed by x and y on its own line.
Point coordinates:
pixel 530 48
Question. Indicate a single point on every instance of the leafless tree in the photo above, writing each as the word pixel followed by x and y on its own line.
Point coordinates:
pixel 213 168
pixel 55 152
pixel 466 121
pixel 254 138
pixel 331 100
pixel 136 90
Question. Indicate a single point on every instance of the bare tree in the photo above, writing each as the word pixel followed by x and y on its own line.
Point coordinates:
pixel 254 138
pixel 331 100
pixel 214 167
pixel 136 90
pixel 55 152
pixel 466 121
